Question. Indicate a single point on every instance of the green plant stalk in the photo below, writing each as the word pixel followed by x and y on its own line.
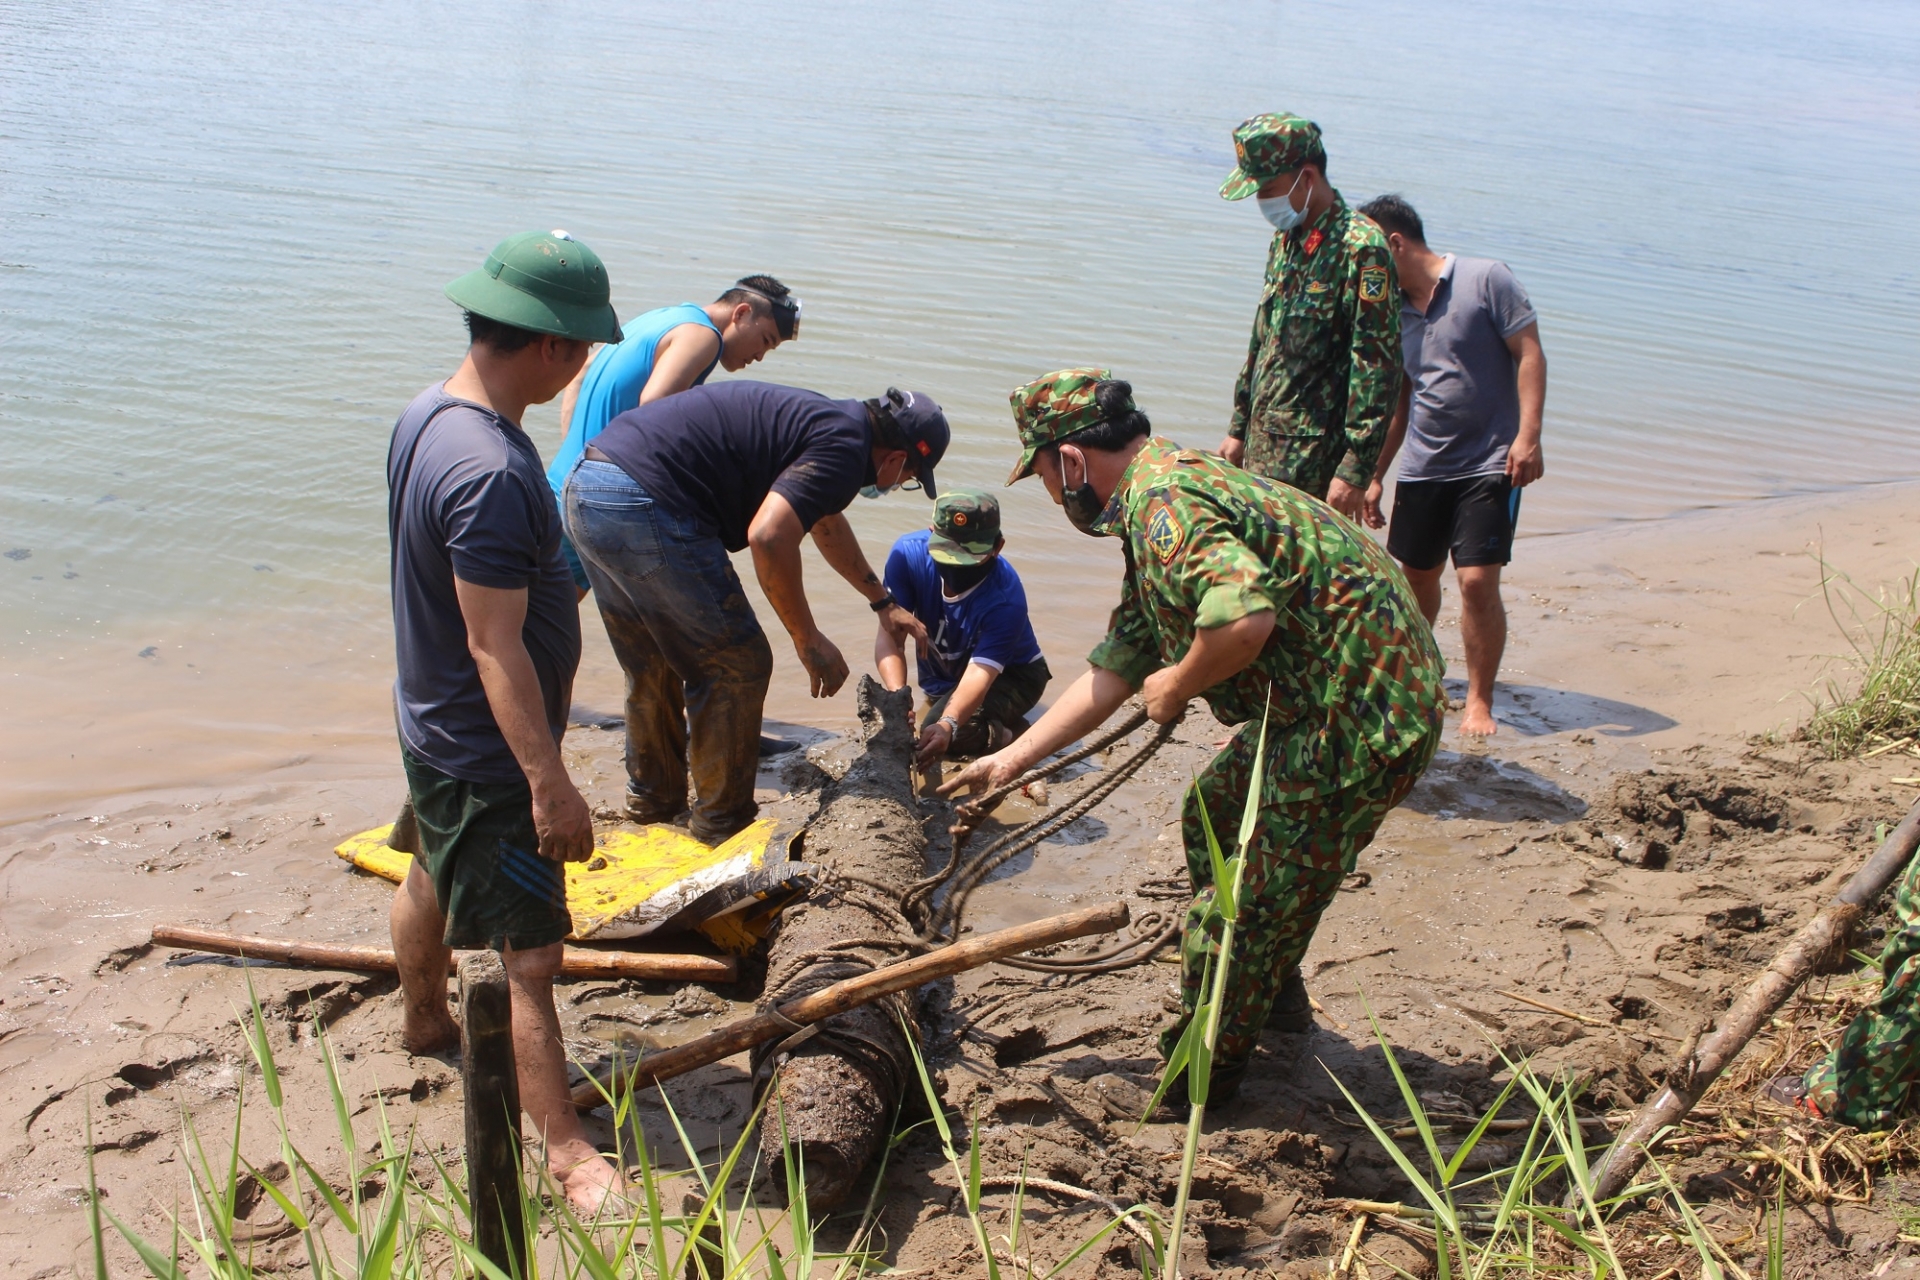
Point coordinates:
pixel 1228 877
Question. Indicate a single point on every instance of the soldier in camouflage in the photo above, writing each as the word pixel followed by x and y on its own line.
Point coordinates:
pixel 1256 597
pixel 1867 1081
pixel 1322 376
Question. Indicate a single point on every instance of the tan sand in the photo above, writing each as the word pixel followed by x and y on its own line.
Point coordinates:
pixel 1664 645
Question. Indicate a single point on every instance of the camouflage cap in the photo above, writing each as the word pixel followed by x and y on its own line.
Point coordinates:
pixel 1052 408
pixel 1267 147
pixel 966 527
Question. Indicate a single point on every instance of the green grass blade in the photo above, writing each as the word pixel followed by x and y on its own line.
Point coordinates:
pixel 262 1048
pixel 158 1264
pixel 1412 1099
pixel 1223 879
pixel 93 1203
pixel 1250 815
pixel 287 1206
pixel 1479 1131
pixel 1442 1207
pixel 335 1205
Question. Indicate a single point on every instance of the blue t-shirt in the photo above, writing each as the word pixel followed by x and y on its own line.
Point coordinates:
pixel 466 498
pixel 616 378
pixel 987 625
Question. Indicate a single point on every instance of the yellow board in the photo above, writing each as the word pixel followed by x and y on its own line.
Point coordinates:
pixel 636 880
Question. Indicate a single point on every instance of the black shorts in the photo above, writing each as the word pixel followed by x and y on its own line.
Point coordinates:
pixel 1473 517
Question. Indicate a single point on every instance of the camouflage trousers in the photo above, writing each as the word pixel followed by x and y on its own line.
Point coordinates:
pixel 1299 853
pixel 1867 1080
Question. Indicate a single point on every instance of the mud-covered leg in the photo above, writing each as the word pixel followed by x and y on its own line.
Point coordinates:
pixel 1870 1075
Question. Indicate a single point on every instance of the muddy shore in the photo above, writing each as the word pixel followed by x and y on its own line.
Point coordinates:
pixel 1626 849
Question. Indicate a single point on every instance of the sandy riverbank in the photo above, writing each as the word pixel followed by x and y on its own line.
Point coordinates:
pixel 1663 646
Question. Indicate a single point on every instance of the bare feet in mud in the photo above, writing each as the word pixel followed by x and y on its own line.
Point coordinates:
pixel 594 1187
pixel 1477 721
pixel 427 1036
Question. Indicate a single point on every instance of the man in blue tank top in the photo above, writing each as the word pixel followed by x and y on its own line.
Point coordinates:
pixel 666 351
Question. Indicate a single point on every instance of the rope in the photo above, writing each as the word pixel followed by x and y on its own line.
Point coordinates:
pixel 962 875
pixel 912 926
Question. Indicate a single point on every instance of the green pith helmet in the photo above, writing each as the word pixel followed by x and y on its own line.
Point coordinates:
pixel 966 527
pixel 1268 146
pixel 1053 407
pixel 543 281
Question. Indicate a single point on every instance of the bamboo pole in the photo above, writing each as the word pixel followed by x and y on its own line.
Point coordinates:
pixel 576 962
pixel 854 992
pixel 1795 963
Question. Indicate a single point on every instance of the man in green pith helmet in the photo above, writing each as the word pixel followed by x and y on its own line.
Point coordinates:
pixel 980 665
pixel 487 639
pixel 1322 376
pixel 1256 597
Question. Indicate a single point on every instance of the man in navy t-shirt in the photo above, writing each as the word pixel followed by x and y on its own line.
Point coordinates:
pixel 655 506
pixel 980 666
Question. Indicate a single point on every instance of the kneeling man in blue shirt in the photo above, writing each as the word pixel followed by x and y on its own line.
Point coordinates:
pixel 980 666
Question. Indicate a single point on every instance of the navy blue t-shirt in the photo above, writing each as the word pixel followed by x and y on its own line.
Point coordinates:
pixel 987 625
pixel 712 453
pixel 467 496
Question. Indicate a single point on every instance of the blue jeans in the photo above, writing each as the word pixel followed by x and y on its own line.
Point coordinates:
pixel 696 660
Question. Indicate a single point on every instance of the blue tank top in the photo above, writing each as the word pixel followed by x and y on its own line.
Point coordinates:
pixel 615 379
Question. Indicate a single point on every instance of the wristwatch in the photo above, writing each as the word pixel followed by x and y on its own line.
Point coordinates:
pixel 880 605
pixel 953 726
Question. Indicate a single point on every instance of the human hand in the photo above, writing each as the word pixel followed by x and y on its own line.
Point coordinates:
pixel 826 669
pixel 1370 507
pixel 1346 499
pixel 900 623
pixel 986 773
pixel 1233 450
pixel 563 822
pixel 1525 464
pixel 935 741
pixel 1164 695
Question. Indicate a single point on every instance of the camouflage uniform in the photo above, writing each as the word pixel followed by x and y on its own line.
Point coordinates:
pixel 1323 369
pixel 1351 673
pixel 1868 1078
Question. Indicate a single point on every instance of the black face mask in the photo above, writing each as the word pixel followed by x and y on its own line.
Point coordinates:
pixel 1082 505
pixel 956 578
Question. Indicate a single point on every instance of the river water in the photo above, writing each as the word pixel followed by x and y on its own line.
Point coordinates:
pixel 224 229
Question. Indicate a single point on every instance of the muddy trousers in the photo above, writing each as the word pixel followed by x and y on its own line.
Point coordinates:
pixel 1869 1077
pixel 696 661
pixel 1299 853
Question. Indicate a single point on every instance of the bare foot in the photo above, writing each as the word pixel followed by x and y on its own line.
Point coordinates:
pixel 442 1036
pixel 1477 722
pixel 594 1187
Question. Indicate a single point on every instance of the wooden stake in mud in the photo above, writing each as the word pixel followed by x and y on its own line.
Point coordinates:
pixel 492 1094
pixel 1795 963
pixel 854 992
pixel 575 962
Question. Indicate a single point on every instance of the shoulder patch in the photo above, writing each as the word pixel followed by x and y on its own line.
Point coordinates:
pixel 1373 284
pixel 1164 532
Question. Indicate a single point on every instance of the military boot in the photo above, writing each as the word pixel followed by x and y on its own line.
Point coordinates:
pixel 1292 1008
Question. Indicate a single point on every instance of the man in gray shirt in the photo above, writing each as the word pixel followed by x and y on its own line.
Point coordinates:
pixel 1469 416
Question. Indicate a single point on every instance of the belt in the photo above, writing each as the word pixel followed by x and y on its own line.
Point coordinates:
pixel 598 456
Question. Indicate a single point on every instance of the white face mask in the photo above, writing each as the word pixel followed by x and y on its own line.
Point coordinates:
pixel 1279 210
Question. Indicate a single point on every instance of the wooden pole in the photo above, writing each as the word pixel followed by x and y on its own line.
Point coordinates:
pixel 854 992
pixel 576 962
pixel 492 1098
pixel 1795 963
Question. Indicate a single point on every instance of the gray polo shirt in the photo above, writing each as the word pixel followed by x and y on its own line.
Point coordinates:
pixel 1466 401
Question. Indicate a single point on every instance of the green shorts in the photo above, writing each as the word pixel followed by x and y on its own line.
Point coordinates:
pixel 478 845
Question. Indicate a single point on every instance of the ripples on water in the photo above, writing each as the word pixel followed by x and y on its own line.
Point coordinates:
pixel 224 230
